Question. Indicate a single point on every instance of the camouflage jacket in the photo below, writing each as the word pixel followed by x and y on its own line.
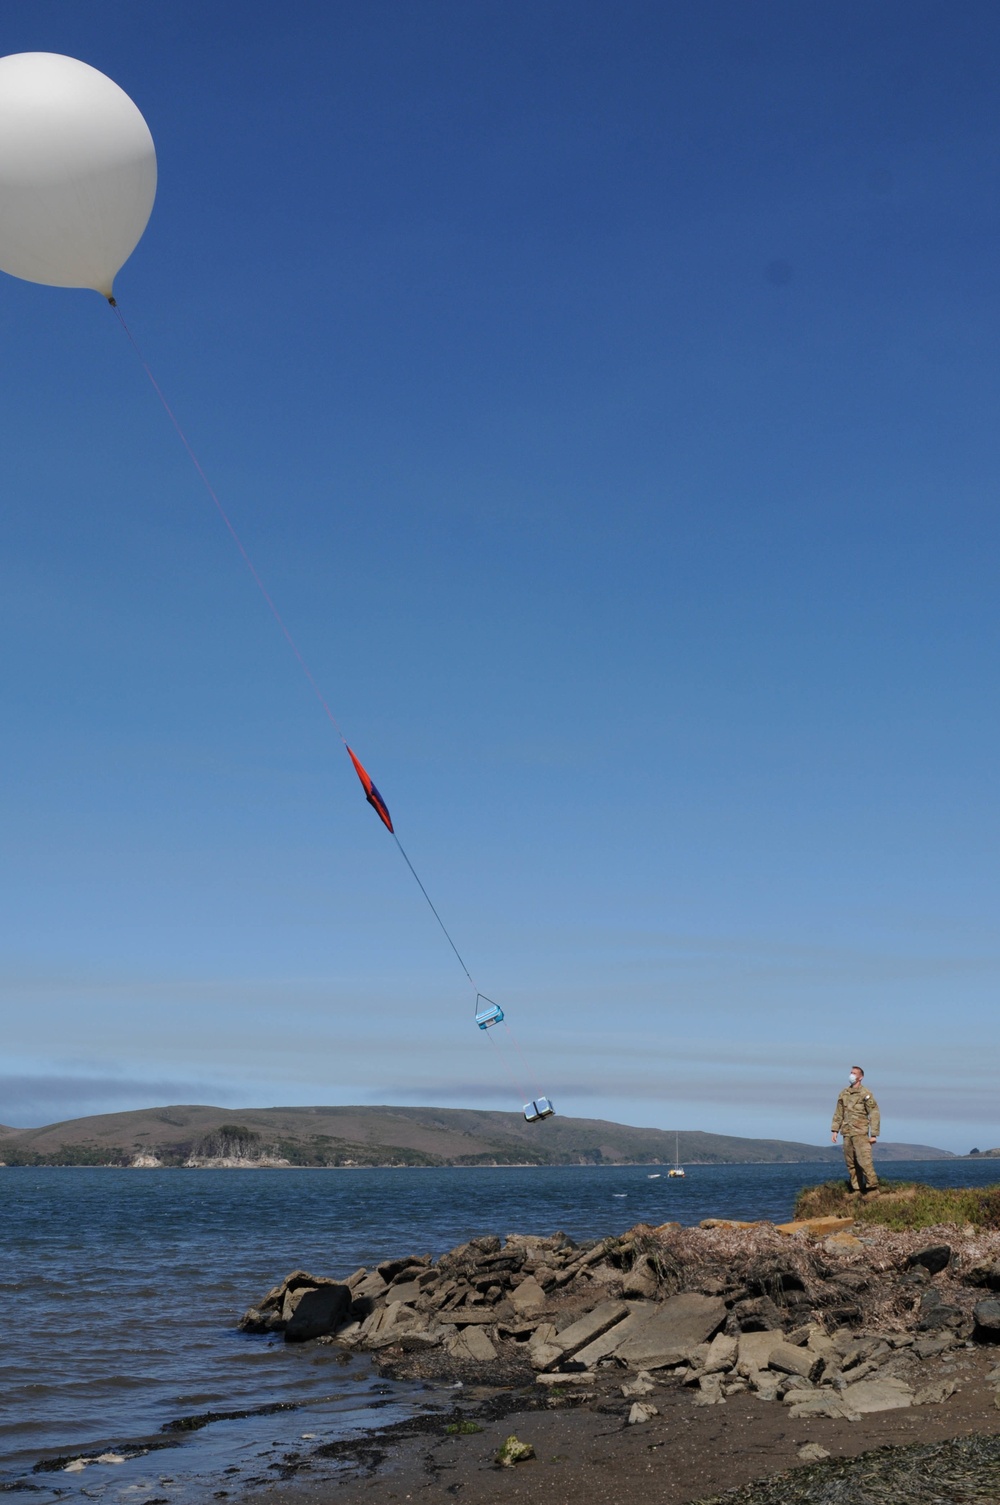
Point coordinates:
pixel 856 1113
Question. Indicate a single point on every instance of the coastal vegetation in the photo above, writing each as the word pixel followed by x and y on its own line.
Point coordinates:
pixel 903 1205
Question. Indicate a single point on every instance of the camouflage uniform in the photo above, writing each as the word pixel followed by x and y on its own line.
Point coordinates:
pixel 856 1116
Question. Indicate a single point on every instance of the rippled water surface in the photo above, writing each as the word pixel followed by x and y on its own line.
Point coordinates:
pixel 121 1289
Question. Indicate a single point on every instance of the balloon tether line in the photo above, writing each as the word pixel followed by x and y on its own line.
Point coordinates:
pixel 501 1057
pixel 276 614
pixel 434 912
pixel 529 1074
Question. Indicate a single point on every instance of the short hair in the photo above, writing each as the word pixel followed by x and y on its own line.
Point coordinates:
pixel 858 1069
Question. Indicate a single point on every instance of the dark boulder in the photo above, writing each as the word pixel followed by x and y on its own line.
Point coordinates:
pixel 935 1312
pixel 934 1258
pixel 273 1311
pixel 257 1321
pixel 757 1315
pixel 984 1275
pixel 987 1319
pixel 317 1312
pixel 390 1268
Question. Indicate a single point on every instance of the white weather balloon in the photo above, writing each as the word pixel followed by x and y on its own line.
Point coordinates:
pixel 77 172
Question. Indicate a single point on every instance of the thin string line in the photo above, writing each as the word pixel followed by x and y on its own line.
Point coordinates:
pixel 518 1086
pixel 286 632
pixel 434 912
pixel 524 1065
pixel 232 531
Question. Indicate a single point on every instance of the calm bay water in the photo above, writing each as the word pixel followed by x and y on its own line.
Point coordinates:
pixel 121 1291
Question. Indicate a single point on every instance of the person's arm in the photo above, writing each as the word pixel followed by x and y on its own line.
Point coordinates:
pixel 874 1119
pixel 838 1118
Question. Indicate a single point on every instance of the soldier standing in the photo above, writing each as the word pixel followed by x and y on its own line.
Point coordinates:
pixel 856 1116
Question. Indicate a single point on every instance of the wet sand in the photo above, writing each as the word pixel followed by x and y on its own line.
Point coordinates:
pixel 585 1451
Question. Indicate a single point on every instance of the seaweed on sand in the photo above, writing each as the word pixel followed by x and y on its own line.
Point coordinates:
pixel 206 1418
pixel 964 1471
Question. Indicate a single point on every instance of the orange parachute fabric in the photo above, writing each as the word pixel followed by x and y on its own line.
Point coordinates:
pixel 372 795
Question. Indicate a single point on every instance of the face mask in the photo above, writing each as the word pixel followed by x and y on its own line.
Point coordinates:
pixel 853 1079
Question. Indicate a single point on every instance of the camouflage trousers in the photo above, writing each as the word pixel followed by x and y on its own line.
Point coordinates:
pixel 858 1154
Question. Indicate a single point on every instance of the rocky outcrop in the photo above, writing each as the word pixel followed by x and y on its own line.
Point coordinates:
pixel 302 1307
pixel 235 1163
pixel 233 1147
pixel 797 1318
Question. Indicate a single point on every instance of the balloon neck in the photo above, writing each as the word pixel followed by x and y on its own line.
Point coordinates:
pixel 112 299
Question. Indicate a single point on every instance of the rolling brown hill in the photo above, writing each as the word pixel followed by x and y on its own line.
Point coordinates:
pixel 346 1136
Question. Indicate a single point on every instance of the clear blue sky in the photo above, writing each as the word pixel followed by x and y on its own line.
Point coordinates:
pixel 608 395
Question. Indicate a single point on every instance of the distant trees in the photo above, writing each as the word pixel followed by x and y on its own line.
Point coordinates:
pixel 231 1142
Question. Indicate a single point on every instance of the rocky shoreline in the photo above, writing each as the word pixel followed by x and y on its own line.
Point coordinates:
pixel 820 1321
pixel 806 1308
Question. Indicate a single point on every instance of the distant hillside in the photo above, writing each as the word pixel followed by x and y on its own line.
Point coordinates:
pixel 383 1136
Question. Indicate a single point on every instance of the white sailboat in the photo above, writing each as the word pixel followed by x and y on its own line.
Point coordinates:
pixel 676 1169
